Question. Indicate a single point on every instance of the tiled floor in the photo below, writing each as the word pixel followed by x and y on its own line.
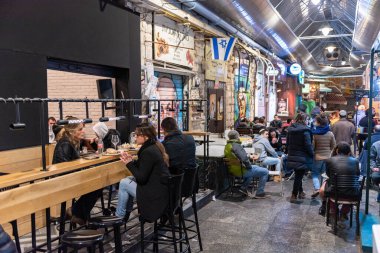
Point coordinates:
pixel 273 225
pixel 233 224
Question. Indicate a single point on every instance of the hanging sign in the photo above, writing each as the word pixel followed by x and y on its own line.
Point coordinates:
pixel 271 72
pixel 173 42
pixel 222 48
pixel 301 77
pixel 295 69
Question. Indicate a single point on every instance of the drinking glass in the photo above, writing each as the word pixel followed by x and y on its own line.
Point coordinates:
pixel 115 140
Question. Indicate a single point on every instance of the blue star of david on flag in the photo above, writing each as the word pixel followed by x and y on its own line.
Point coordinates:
pixel 222 48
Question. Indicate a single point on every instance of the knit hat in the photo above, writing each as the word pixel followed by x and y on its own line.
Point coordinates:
pixel 233 135
pixel 100 129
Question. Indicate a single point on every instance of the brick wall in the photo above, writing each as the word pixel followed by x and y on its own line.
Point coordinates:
pixel 72 85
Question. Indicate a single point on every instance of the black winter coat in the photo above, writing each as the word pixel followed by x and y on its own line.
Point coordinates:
pixel 150 172
pixel 181 150
pixel 342 165
pixel 299 147
pixel 6 243
pixel 64 151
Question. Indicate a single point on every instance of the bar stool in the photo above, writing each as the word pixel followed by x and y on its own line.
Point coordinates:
pixel 189 190
pixel 106 222
pixel 174 190
pixel 84 238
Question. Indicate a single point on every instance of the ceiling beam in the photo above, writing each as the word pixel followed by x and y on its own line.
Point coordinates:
pixel 324 37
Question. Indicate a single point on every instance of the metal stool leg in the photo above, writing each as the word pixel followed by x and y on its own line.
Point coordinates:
pixel 195 211
pixel 117 235
pixel 15 235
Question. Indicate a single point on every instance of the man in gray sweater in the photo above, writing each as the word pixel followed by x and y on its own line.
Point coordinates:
pixel 268 155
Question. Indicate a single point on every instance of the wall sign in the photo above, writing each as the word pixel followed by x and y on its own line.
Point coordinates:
pixel 271 72
pixel 173 42
pixel 301 77
pixel 295 69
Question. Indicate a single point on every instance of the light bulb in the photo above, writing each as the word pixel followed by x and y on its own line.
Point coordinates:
pixel 330 49
pixel 326 30
pixel 343 62
pixel 315 2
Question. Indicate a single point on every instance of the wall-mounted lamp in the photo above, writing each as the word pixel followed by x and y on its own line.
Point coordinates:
pixel 17 125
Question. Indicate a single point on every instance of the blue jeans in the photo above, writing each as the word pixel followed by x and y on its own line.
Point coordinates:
pixel 272 161
pixel 127 192
pixel 256 171
pixel 319 167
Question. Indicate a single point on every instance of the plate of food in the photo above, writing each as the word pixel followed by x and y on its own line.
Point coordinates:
pixel 111 151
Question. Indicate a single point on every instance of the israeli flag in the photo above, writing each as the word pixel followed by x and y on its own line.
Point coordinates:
pixel 222 48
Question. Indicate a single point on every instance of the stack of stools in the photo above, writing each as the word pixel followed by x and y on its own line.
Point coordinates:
pixel 85 238
pixel 107 222
pixel 189 189
pixel 174 183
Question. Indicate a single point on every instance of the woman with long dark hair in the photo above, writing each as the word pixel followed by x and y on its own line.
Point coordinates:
pixel 67 149
pixel 146 184
pixel 300 153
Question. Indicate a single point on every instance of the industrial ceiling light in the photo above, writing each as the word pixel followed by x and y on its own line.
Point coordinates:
pixel 315 2
pixel 330 48
pixel 343 61
pixel 326 30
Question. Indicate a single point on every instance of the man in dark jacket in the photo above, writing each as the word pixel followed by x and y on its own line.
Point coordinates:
pixel 300 153
pixel 6 243
pixel 180 147
pixel 276 122
pixel 341 164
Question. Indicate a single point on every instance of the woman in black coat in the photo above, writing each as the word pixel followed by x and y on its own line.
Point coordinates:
pixel 149 171
pixel 6 243
pixel 67 149
pixel 300 153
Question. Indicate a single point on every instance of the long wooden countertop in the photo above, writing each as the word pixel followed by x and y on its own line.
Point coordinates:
pixel 17 178
pixel 30 198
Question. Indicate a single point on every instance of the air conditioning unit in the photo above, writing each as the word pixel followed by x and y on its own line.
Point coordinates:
pixel 332 56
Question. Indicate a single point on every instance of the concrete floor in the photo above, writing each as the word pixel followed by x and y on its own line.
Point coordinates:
pixel 272 225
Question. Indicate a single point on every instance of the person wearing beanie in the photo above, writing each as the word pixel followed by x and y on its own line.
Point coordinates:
pixel 234 150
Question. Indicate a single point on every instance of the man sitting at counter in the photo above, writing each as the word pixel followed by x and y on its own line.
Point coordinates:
pixel 234 150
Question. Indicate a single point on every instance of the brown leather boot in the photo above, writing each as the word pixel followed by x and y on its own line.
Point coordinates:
pixel 301 195
pixel 293 198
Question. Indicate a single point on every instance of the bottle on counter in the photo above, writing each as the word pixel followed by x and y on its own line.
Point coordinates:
pixel 100 146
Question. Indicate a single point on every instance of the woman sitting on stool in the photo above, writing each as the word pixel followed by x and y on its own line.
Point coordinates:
pixel 67 149
pixel 146 184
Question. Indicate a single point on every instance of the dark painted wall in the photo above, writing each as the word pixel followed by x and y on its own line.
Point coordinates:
pixel 34 30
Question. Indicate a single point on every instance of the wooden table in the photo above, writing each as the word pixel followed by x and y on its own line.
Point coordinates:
pixel 27 192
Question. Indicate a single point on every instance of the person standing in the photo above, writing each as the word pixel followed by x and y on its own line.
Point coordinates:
pixel 323 143
pixel 300 153
pixel 343 129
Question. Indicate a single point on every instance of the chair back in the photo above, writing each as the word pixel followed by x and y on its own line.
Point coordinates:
pixel 351 184
pixel 189 180
pixel 175 188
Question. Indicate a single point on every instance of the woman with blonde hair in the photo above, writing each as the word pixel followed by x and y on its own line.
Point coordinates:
pixel 67 149
pixel 146 184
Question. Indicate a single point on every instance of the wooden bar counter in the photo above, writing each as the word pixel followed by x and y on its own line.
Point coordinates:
pixel 27 192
